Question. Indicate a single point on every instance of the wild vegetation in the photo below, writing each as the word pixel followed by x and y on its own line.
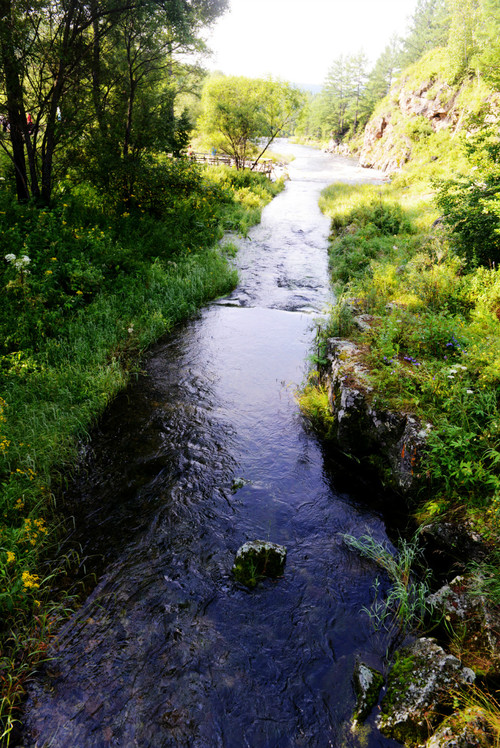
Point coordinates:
pixel 110 236
pixel 419 256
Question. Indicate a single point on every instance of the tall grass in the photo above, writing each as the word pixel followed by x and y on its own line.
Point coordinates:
pixel 100 285
pixel 405 608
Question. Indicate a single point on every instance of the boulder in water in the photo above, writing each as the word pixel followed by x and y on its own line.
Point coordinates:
pixel 258 559
pixel 367 684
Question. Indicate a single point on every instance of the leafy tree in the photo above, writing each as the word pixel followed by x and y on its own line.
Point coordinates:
pixel 471 203
pixel 238 112
pixel 312 120
pixel 463 41
pixel 67 65
pixel 429 28
pixel 488 34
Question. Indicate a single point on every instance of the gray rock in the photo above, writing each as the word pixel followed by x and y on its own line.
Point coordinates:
pixel 458 540
pixel 367 684
pixel 467 729
pixel 391 442
pixel 474 622
pixel 419 688
pixel 258 559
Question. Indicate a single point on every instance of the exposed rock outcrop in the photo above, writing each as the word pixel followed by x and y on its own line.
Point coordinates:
pixel 421 102
pixel 389 442
pixel 419 691
pixel 474 623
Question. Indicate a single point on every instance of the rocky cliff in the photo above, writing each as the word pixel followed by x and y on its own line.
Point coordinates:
pixel 421 104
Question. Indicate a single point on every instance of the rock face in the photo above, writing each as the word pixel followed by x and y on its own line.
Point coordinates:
pixel 414 108
pixel 454 541
pixel 419 690
pixel 384 147
pixel 258 559
pixel 474 623
pixel 389 442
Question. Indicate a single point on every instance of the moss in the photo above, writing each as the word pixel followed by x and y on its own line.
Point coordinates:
pixel 367 684
pixel 257 560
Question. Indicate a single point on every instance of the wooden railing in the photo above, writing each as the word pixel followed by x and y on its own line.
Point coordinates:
pixel 262 167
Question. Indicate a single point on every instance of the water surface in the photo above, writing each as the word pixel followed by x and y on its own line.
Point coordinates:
pixel 205 451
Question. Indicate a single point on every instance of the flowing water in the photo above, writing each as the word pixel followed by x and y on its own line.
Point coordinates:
pixel 205 451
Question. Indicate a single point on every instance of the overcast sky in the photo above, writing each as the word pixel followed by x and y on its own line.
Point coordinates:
pixel 297 40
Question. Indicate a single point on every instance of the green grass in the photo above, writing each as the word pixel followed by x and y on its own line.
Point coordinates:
pixel 433 349
pixel 102 283
pixel 405 608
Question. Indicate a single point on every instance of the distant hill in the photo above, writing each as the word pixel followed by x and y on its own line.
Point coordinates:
pixel 313 88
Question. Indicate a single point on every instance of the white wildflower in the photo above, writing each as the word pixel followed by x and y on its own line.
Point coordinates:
pixel 10 257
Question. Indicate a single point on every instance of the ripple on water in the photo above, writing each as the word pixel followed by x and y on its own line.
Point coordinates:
pixel 168 650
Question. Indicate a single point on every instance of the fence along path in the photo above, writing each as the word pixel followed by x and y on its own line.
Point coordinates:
pixel 263 167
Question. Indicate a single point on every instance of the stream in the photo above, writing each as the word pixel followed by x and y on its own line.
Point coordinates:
pixel 204 451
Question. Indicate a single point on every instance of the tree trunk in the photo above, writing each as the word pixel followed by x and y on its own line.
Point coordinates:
pixel 15 104
pixel 96 69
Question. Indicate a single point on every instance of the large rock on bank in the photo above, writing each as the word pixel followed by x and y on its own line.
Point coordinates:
pixel 420 690
pixel 389 442
pixel 474 623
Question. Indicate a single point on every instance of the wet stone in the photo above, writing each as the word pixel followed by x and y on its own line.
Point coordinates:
pixel 257 560
pixel 419 691
pixel 367 684
pixel 239 483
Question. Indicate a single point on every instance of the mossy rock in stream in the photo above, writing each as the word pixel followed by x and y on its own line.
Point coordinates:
pixel 258 559
pixel 368 683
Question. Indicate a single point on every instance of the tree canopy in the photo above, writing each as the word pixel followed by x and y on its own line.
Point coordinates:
pixel 93 77
pixel 242 116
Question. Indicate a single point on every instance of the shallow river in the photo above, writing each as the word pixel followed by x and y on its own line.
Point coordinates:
pixel 168 650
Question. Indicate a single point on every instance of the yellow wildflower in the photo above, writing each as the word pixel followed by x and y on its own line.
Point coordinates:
pixel 11 557
pixel 30 581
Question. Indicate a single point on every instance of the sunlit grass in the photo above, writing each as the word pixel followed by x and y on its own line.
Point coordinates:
pixel 100 289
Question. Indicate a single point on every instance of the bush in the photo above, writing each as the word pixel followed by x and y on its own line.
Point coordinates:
pixel 471 203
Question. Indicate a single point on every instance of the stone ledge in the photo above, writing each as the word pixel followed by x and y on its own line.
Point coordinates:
pixel 390 442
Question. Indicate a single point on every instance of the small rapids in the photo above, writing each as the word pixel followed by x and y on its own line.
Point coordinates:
pixel 205 451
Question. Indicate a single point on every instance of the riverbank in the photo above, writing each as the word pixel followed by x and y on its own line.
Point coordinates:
pixel 88 286
pixel 413 340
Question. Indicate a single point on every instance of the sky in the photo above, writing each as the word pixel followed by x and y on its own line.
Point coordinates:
pixel 298 40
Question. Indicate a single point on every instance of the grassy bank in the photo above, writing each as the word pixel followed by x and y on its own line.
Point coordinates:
pixel 432 349
pixel 86 286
